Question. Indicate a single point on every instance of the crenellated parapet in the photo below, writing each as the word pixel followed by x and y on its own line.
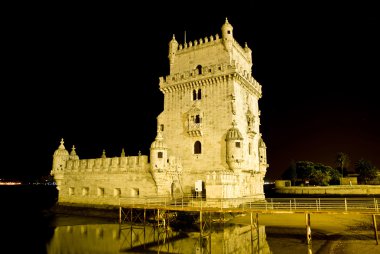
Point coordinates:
pixel 201 43
pixel 115 164
pixel 212 41
pixel 63 162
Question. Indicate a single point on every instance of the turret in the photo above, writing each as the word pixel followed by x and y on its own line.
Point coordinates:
pixel 173 46
pixel 60 156
pixel 73 154
pixel 227 35
pixel 104 154
pixel 248 52
pixel 158 154
pixel 262 152
pixel 234 143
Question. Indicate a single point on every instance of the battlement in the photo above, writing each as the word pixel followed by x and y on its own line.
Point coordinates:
pixel 211 41
pixel 115 164
pixel 201 43
pixel 194 78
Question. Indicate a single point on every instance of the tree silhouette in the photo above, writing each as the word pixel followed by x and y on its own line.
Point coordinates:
pixel 290 173
pixel 342 160
pixel 366 170
pixel 319 177
pixel 315 173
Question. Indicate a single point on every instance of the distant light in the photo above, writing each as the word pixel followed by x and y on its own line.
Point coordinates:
pixel 10 183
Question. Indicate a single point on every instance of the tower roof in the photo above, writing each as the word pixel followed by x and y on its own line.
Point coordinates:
pixel 261 143
pixel 158 142
pixel 61 151
pixel 226 25
pixel 234 133
pixel 73 154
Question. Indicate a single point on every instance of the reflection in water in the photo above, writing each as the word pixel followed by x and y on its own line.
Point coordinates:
pixel 113 238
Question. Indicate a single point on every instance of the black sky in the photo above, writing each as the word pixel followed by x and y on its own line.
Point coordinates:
pixel 89 73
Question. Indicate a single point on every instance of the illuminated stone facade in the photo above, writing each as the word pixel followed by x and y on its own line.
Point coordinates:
pixel 208 135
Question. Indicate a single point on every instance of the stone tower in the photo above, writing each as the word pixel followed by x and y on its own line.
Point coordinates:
pixel 208 138
pixel 211 116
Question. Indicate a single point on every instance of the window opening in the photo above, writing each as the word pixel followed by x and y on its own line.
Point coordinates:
pixel 199 68
pixel 117 192
pixel 197 147
pixel 85 191
pixel 100 192
pixel 197 119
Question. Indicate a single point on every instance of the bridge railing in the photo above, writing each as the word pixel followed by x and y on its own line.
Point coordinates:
pixel 256 204
pixel 317 204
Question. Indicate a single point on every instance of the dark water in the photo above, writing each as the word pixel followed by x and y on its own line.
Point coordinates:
pixel 24 218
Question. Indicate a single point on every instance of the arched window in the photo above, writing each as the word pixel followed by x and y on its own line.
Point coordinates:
pixel 159 155
pixel 199 68
pixel 199 94
pixel 194 95
pixel 197 147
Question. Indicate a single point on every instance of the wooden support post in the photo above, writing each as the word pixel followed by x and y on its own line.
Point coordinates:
pixel 119 214
pixel 308 228
pixel 200 231
pixel 158 218
pixel 200 223
pixel 209 242
pixel 258 232
pixel 345 204
pixel 375 228
pixel 144 216
pixel 252 233
pixel 144 227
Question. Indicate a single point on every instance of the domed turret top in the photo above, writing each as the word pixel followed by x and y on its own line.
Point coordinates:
pixel 61 151
pixel 261 143
pixel 174 40
pixel 234 133
pixel 226 23
pixel 227 28
pixel 159 141
pixel 73 154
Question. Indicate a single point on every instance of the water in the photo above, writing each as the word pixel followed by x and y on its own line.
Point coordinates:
pixel 29 226
pixel 24 218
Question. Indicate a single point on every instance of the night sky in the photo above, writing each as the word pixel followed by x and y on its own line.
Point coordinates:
pixel 89 74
